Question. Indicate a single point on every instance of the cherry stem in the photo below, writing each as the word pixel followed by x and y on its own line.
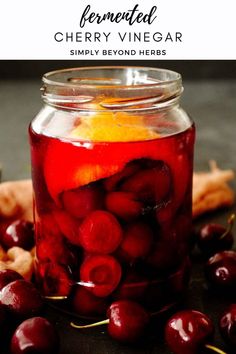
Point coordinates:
pixel 55 297
pixel 90 325
pixel 229 227
pixel 214 349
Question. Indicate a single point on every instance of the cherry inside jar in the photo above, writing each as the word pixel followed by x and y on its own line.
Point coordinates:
pixel 112 160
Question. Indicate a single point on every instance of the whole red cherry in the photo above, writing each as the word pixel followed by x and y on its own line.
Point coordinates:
pixel 82 201
pixel 227 325
pixel 126 321
pixel 221 270
pixel 213 238
pixel 136 243
pixel 20 233
pixel 35 335
pixel 100 232
pixel 101 274
pixel 188 331
pixel 8 276
pixel 21 299
pixel 124 205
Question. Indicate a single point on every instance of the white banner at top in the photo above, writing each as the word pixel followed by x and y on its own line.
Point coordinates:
pixel 132 29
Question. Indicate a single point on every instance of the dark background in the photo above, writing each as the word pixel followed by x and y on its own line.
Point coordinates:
pixel 190 69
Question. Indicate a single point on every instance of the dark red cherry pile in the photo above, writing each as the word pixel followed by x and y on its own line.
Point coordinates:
pixel 107 237
pixel 20 302
pixel 186 332
pixel 101 269
pixel 220 269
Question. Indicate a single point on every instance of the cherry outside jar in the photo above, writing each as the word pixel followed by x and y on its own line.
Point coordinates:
pixel 112 163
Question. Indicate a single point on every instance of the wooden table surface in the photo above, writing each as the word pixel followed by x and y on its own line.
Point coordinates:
pixel 212 105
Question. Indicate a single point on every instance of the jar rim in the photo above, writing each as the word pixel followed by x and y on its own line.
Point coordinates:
pixel 111 87
pixel 49 78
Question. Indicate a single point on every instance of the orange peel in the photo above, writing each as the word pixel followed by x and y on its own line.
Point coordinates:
pixel 108 126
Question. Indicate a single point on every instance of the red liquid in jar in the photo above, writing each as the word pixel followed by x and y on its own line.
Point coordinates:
pixel 113 218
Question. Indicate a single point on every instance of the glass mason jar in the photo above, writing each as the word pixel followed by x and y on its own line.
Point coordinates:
pixel 112 163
